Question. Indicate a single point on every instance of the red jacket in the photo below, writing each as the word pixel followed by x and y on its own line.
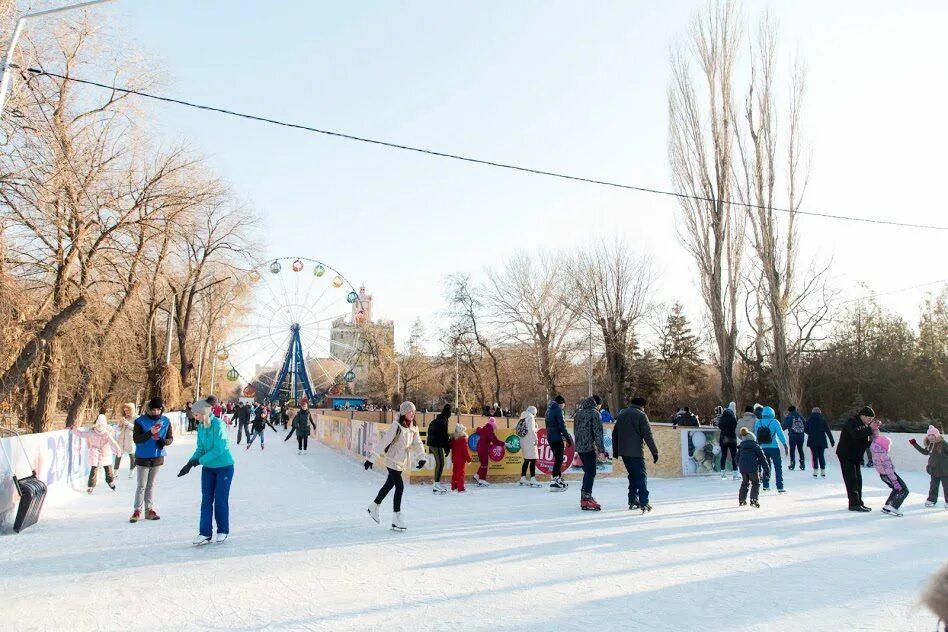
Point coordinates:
pixel 460 455
pixel 487 438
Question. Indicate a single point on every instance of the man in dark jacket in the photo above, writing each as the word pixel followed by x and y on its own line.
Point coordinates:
pixel 727 424
pixel 439 444
pixel 819 437
pixel 632 429
pixel 587 428
pixel 558 437
pixel 795 427
pixel 854 438
pixel 243 421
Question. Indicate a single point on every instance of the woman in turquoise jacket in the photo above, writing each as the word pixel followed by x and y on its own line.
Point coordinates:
pixel 214 454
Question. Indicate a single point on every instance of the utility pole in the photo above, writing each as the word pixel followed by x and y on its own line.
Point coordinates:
pixel 18 31
pixel 457 378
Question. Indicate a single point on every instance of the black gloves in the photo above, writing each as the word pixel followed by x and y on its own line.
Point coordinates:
pixel 421 463
pixel 367 465
pixel 187 467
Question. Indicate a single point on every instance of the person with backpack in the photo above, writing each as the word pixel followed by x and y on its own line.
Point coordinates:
pixel 527 431
pixel 558 438
pixel 937 451
pixel 883 463
pixel 487 438
pixel 402 443
pixel 769 437
pixel 727 424
pixel 633 429
pixel 439 445
pixel 752 461
pixel 302 422
pixel 460 457
pixel 795 426
pixel 818 433
pixel 590 444
pixel 854 439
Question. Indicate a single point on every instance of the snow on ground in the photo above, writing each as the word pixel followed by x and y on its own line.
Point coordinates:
pixel 303 554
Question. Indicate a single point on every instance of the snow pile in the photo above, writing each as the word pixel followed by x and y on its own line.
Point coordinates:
pixel 303 554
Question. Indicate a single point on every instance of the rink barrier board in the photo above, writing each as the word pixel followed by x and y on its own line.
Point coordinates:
pixel 59 460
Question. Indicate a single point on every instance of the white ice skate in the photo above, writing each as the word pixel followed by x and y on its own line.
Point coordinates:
pixel 201 540
pixel 220 538
pixel 523 481
pixel 299 452
pixel 479 482
pixel 438 488
pixel 397 523
pixel 723 476
pixel 929 503
pixel 889 510
pixel 534 482
pixel 374 512
pixel 736 477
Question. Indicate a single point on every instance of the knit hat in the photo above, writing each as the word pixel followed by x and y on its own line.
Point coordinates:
pixel 866 411
pixel 101 423
pixel 531 410
pixel 492 422
pixel 732 407
pixel 156 402
pixel 201 407
pixel 934 432
pixel 559 399
pixel 405 408
pixel 459 429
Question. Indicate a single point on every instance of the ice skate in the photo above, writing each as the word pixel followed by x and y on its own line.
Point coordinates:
pixel 111 485
pixel 534 482
pixel 646 508
pixel 261 446
pixel 558 485
pixel 523 481
pixel 480 482
pixel 221 538
pixel 736 477
pixel 588 503
pixel 299 452
pixel 201 540
pixel 815 473
pixel 781 491
pixel 438 488
pixel 723 476
pixel 822 473
pixel 397 523
pixel 802 467
pixel 89 491
pixel 755 503
pixel 792 466
pixel 374 512
pixel 931 503
pixel 889 510
pixel 742 503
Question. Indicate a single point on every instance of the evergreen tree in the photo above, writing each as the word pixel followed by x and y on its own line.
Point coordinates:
pixel 678 349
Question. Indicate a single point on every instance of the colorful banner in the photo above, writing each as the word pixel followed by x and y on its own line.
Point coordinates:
pixel 602 467
pixel 545 454
pixel 700 452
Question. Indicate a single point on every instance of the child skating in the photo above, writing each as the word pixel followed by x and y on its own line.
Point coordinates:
pixel 460 457
pixel 751 461
pixel 880 459
pixel 101 450
pixel 260 422
pixel 487 438
pixel 937 451
pixel 402 442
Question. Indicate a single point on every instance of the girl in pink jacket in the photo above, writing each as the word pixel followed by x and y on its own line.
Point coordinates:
pixel 880 457
pixel 100 453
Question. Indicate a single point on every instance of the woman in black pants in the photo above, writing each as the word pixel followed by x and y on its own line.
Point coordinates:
pixel 439 445
pixel 301 425
pixel 401 441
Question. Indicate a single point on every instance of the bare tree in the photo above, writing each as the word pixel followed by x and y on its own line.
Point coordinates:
pixel 701 143
pixel 466 310
pixel 531 304
pixel 611 285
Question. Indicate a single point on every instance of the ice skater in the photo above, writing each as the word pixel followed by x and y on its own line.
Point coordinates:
pixel 818 433
pixel 883 463
pixel 727 424
pixel 402 442
pixel 460 457
pixel 527 431
pixel 770 436
pixel 217 473
pixel 124 430
pixel 151 434
pixel 795 426
pixel 937 468
pixel 101 450
pixel 260 422
pixel 300 426
pixel 633 431
pixel 751 461
pixel 590 445
pixel 439 445
pixel 487 438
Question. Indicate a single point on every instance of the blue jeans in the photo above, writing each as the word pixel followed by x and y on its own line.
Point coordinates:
pixel 254 435
pixel 589 471
pixel 773 455
pixel 215 492
pixel 796 448
pixel 638 480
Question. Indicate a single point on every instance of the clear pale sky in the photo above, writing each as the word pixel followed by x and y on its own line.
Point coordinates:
pixel 578 87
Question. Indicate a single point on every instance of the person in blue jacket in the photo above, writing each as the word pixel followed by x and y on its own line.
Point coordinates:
pixel 818 433
pixel 768 425
pixel 152 432
pixel 558 437
pixel 213 453
pixel 606 415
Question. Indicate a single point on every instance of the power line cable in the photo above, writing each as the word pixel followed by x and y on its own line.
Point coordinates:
pixel 479 161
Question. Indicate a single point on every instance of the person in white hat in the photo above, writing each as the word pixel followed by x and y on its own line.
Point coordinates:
pixel 402 442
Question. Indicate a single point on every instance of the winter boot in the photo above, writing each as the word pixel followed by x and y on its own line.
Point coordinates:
pixel 136 516
pixel 374 512
pixel 397 523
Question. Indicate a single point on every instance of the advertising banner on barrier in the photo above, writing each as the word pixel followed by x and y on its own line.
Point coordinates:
pixel 699 451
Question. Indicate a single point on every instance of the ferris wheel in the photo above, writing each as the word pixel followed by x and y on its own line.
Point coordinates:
pixel 299 332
